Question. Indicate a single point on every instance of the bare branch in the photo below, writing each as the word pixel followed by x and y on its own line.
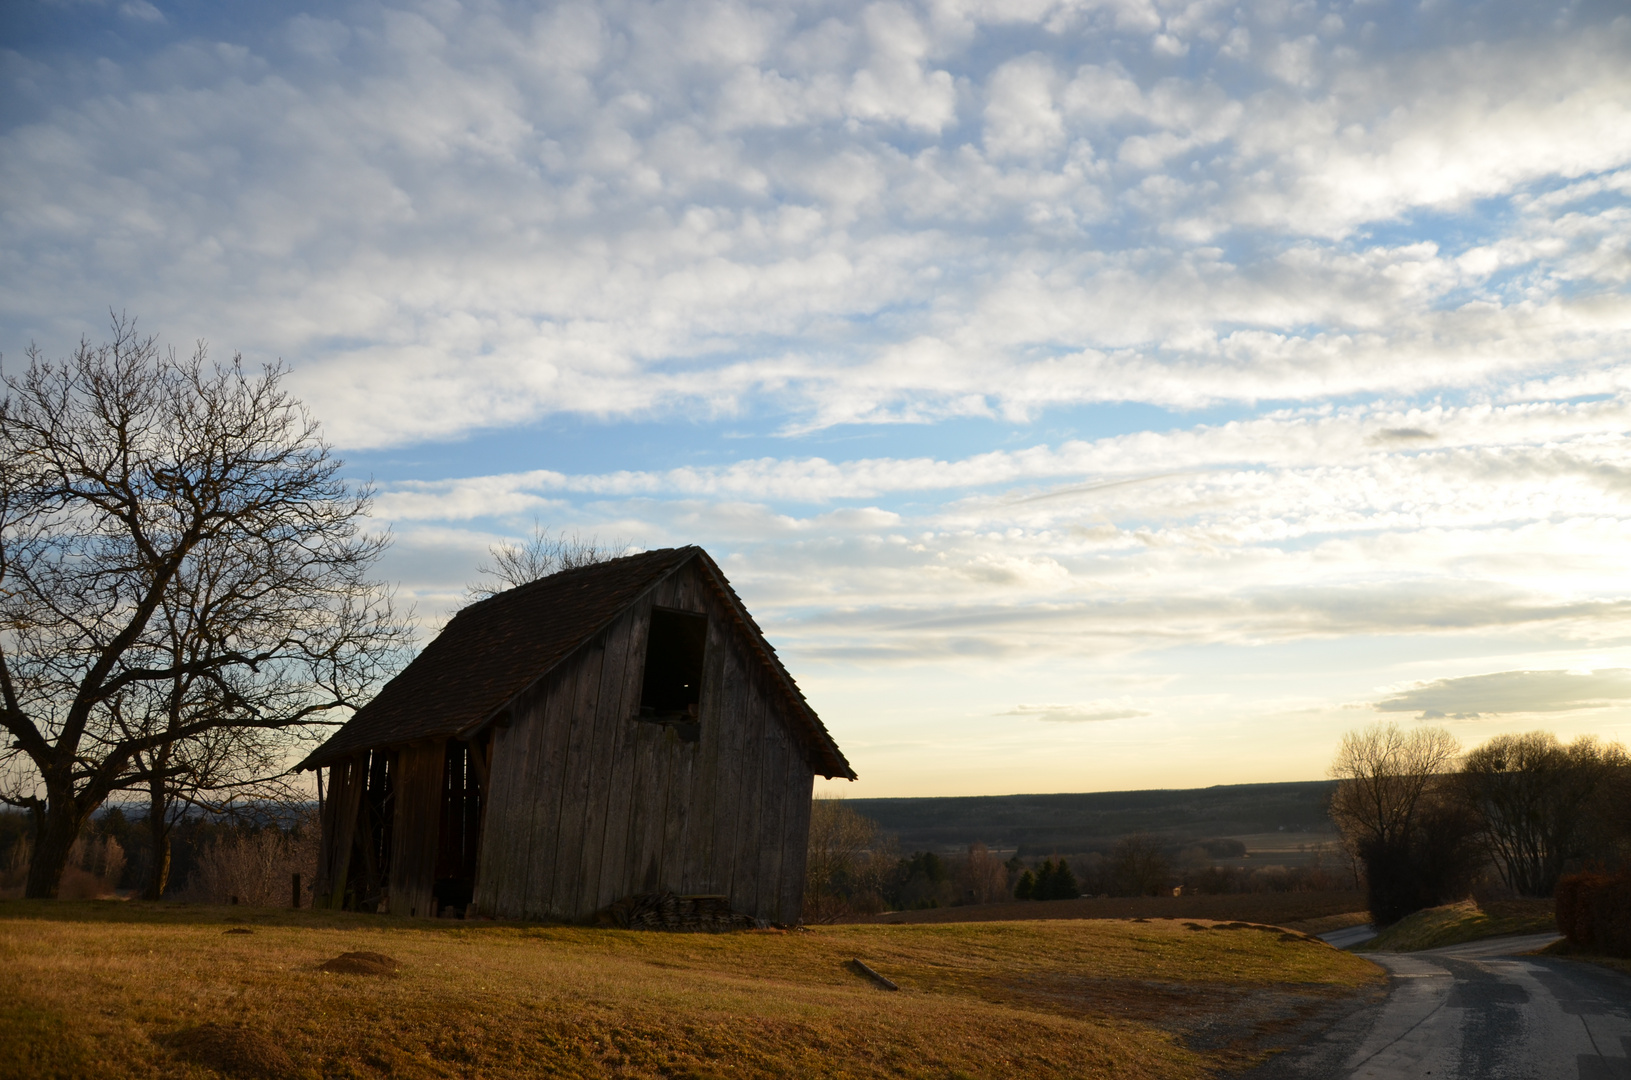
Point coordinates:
pixel 539 556
pixel 184 580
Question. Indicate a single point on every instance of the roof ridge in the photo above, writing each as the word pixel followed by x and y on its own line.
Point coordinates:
pixel 554 578
pixel 464 676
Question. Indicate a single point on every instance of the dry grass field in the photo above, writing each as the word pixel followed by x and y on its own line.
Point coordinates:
pixel 130 990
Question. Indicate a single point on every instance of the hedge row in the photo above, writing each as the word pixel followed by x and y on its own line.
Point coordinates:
pixel 1594 912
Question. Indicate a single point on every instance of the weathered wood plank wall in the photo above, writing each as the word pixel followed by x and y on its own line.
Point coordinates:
pixel 589 804
pixel 338 831
pixel 416 828
pixel 608 874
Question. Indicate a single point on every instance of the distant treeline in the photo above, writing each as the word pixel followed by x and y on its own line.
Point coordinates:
pixel 855 867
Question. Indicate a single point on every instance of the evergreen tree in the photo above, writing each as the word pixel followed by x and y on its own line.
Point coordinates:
pixel 1064 883
pixel 1044 881
pixel 1026 888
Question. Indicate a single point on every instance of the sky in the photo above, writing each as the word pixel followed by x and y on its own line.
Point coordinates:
pixel 1082 395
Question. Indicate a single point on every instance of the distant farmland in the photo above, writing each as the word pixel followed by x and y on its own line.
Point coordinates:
pixel 1045 824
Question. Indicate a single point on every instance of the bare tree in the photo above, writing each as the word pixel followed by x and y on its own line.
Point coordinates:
pixel 848 858
pixel 983 877
pixel 1391 805
pixel 1383 775
pixel 540 555
pixel 1534 800
pixel 1138 866
pixel 140 494
pixel 219 767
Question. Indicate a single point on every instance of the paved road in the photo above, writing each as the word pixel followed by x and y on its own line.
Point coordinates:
pixel 1347 939
pixel 1478 1011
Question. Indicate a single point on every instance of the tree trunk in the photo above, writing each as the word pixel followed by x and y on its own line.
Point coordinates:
pixel 158 830
pixel 58 833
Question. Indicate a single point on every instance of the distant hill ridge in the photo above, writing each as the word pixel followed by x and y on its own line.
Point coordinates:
pixel 1093 821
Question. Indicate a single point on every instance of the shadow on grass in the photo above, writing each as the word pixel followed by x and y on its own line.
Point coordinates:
pixel 173 913
pixel 1565 948
pixel 234 1049
pixel 39 1042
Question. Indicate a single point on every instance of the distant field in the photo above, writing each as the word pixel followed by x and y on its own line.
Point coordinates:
pixel 130 990
pixel 1067 824
pixel 1291 909
pixel 1286 849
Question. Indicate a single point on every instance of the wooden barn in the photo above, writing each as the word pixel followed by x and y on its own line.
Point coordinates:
pixel 611 731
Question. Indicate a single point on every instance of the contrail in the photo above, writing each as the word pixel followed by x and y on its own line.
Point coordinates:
pixel 1084 488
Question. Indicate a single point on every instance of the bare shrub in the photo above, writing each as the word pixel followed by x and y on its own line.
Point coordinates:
pixel 255 867
pixel 1092 870
pixel 1594 912
pixel 1328 872
pixel 14 874
pixel 982 876
pixel 1272 879
pixel 1215 881
pixel 539 556
pixel 848 863
pixel 94 868
pixel 1138 866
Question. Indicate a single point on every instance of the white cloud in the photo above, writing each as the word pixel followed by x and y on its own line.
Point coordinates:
pixel 1501 692
pixel 1092 712
pixel 845 214
pixel 1021 118
pixel 1301 525
pixel 893 85
pixel 141 11
pixel 1552 450
pixel 1390 249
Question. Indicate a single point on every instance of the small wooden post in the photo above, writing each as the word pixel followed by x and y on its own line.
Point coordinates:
pixel 864 969
pixel 294 894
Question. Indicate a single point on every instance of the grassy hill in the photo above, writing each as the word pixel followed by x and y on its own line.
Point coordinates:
pixel 1464 921
pixel 132 990
pixel 1044 824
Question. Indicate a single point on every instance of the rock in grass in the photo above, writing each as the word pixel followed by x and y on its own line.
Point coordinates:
pixel 239 930
pixel 361 963
pixel 232 1049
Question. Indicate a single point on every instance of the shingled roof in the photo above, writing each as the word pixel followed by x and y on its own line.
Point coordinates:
pixel 493 650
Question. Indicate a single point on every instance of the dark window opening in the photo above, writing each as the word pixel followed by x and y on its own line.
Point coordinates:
pixel 458 846
pixel 671 693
